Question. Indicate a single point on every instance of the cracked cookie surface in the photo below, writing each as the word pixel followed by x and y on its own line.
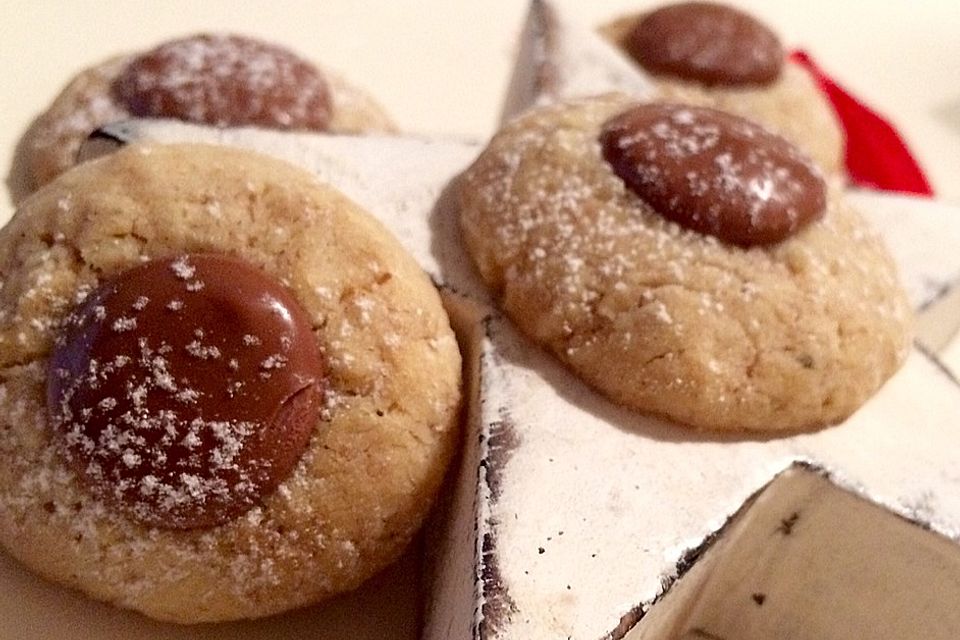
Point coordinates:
pixel 792 336
pixel 377 457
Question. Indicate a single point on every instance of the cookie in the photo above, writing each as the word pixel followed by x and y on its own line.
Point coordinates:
pixel 779 332
pixel 224 80
pixel 710 54
pixel 328 415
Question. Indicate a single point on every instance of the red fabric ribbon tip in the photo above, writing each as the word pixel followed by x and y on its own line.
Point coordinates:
pixel 876 156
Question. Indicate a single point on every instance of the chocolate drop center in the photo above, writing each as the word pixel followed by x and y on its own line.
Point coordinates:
pixel 226 80
pixel 711 44
pixel 184 390
pixel 714 173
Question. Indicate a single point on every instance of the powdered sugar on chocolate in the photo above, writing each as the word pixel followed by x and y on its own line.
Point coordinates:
pixel 226 80
pixel 714 172
pixel 167 412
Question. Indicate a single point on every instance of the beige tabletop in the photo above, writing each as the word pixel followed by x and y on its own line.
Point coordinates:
pixel 441 66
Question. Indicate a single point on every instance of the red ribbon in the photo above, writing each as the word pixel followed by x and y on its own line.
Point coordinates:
pixel 877 156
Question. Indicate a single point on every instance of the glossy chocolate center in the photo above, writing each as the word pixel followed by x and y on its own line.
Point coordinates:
pixel 714 172
pixel 709 43
pixel 224 81
pixel 186 389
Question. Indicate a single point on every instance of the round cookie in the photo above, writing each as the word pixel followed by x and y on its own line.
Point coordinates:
pixel 260 83
pixel 790 335
pixel 697 53
pixel 375 459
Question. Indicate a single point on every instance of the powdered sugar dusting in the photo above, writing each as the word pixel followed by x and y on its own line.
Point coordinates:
pixel 714 172
pixel 586 266
pixel 140 429
pixel 271 555
pixel 160 411
pixel 182 268
pixel 226 80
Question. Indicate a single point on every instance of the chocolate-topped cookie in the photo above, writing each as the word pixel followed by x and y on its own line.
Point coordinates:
pixel 685 263
pixel 227 391
pixel 218 79
pixel 713 55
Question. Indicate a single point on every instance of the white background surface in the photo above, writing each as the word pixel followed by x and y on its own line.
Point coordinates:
pixel 441 66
